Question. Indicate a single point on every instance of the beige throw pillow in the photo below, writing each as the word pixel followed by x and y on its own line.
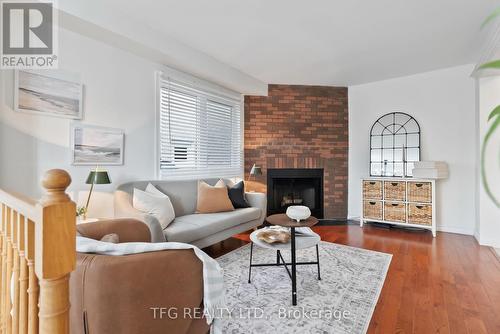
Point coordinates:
pixel 213 199
pixel 219 184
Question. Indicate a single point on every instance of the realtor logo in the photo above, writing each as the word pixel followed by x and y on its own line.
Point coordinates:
pixel 29 35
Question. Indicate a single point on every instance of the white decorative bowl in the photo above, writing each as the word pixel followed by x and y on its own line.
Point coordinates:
pixel 298 212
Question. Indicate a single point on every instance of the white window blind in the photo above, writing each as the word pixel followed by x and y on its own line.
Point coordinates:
pixel 199 132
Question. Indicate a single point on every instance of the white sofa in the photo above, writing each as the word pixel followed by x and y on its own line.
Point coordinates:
pixel 201 230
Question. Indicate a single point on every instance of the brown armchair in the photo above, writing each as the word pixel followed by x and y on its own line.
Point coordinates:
pixel 119 294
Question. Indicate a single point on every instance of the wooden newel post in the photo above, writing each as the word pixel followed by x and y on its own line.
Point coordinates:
pixel 55 252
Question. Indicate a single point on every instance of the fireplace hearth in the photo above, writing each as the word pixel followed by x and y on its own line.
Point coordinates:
pixel 295 186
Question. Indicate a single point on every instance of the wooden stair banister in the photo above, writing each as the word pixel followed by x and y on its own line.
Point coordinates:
pixel 38 253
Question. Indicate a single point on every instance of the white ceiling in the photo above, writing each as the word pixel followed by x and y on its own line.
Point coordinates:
pixel 321 42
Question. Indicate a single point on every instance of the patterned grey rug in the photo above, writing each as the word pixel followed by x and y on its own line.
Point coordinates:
pixel 342 302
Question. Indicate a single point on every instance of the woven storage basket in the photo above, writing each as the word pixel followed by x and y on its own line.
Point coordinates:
pixel 372 189
pixel 372 209
pixel 420 192
pixel 420 214
pixel 395 212
pixel 394 190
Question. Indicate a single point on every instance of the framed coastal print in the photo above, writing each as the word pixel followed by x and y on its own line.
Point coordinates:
pixel 95 145
pixel 49 92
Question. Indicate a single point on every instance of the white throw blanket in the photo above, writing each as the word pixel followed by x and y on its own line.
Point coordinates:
pixel 213 278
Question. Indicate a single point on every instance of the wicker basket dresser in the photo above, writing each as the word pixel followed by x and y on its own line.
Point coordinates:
pixel 399 201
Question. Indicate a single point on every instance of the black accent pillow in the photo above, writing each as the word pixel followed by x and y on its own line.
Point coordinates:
pixel 237 195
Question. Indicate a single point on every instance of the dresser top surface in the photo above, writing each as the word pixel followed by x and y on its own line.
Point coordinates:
pixel 380 178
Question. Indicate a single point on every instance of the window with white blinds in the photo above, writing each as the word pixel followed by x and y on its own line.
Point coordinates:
pixel 199 132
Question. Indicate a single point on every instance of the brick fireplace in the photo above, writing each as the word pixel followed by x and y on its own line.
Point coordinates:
pixel 295 186
pixel 301 127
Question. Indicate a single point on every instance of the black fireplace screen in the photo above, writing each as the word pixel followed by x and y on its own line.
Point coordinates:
pixel 286 187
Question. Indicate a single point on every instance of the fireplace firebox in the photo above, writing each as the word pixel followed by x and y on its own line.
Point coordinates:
pixel 295 186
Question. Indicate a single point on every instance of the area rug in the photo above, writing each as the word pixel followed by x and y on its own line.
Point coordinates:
pixel 343 300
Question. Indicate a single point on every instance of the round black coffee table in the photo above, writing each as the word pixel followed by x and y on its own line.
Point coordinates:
pixel 285 221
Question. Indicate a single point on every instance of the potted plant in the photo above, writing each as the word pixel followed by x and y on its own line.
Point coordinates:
pixel 493 118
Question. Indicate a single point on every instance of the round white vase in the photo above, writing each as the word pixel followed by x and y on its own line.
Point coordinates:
pixel 298 212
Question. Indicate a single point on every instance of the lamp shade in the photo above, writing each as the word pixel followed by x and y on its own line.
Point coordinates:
pixel 256 170
pixel 98 177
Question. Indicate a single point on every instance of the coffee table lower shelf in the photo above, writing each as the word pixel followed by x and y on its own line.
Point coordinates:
pixel 280 261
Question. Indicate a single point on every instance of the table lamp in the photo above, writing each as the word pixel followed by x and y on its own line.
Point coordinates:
pixel 255 171
pixel 97 176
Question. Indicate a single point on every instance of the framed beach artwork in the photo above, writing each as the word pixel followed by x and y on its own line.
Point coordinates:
pixel 49 92
pixel 95 145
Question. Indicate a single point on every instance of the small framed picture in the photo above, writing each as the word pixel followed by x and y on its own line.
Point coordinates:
pixel 95 145
pixel 49 92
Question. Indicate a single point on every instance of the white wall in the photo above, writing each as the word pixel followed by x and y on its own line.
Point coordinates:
pixel 488 229
pixel 110 25
pixel 119 92
pixel 443 102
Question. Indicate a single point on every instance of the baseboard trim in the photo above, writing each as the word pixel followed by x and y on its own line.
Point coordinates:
pixel 496 253
pixel 446 229
pixel 489 242
pixel 476 236
pixel 456 230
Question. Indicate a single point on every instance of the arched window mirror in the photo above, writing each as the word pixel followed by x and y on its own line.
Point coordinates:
pixel 394 145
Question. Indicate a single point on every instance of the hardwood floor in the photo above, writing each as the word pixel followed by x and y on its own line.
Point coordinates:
pixel 447 284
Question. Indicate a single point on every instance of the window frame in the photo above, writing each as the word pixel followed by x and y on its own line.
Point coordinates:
pixel 219 94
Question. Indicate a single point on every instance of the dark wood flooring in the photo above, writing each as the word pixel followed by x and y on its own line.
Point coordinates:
pixel 447 284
